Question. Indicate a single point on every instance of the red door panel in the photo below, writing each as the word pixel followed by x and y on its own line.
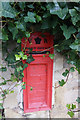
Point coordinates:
pixel 38 75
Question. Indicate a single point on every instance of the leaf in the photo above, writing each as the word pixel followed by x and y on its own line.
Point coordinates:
pixel 75 16
pixel 31 88
pixel 38 18
pixel 2 95
pixel 78 99
pixel 30 17
pixel 21 53
pixel 7 91
pixel 19 40
pixel 17 57
pixel 20 25
pixel 24 57
pixel 12 91
pixel 4 35
pixel 43 55
pixel 65 73
pixel 73 106
pixel 67 31
pixel 47 53
pixel 68 106
pixel 23 86
pixel 27 34
pixel 8 11
pixel 13 29
pixel 1 106
pixel 30 59
pixel 3 69
pixel 75 46
pixel 19 68
pixel 61 83
pixel 30 6
pixel 25 65
pixel 70 113
pixel 3 83
pixel 51 56
pixel 0 116
pixel 56 10
pixel 72 69
pixel 22 5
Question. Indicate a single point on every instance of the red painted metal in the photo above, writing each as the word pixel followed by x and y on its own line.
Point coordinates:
pixel 39 75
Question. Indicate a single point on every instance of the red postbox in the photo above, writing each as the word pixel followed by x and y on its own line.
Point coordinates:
pixel 39 73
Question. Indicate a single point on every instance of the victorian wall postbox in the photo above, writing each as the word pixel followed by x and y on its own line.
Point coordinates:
pixel 39 73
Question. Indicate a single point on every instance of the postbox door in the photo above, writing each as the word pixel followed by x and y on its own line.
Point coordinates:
pixel 38 75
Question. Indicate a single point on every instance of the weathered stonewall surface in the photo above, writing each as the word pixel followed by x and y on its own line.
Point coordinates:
pixel 67 94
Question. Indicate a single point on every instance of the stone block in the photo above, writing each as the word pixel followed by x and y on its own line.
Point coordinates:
pixel 9 113
pixel 11 101
pixel 38 114
pixel 58 61
pixel 70 96
pixel 59 112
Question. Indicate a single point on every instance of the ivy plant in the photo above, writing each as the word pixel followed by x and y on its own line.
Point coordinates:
pixel 61 19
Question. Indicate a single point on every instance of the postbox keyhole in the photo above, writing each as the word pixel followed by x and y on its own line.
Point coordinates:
pixel 38 40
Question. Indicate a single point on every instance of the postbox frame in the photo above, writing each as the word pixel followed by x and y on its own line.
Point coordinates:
pixel 49 82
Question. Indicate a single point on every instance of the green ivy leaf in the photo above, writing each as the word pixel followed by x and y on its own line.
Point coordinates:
pixel 62 82
pixel 12 91
pixel 22 73
pixel 65 73
pixel 30 6
pixel 12 28
pixel 3 83
pixel 17 57
pixel 43 55
pixel 3 69
pixel 75 16
pixel 31 88
pixel 22 5
pixel 30 17
pixel 25 65
pixel 38 18
pixel 7 10
pixel 30 59
pixel 19 68
pixel 27 34
pixel 73 106
pixel 20 25
pixel 21 53
pixel 70 113
pixel 56 10
pixel 1 105
pixel 78 99
pixel 19 40
pixel 51 56
pixel 47 53
pixel 67 31
pixel 68 106
pixel 23 86
pixel 24 57
pixel 4 35
pixel 0 116
pixel 75 46
pixel 72 69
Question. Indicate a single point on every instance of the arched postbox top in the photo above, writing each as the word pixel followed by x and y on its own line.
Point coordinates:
pixel 38 41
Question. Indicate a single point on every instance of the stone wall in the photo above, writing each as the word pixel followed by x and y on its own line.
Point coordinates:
pixel 61 96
